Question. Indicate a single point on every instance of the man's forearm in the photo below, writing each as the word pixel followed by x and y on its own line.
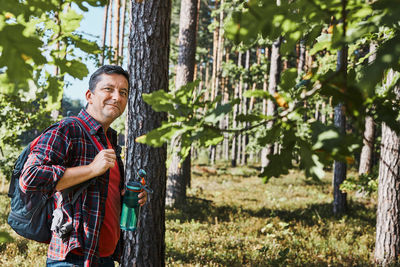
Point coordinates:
pixel 73 176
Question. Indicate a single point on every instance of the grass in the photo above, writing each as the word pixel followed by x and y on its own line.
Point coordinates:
pixel 236 220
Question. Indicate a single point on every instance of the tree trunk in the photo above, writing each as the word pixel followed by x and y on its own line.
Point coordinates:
pixel 369 132
pixel 340 168
pixel 179 176
pixel 263 153
pixel 122 33
pixel 245 101
pixel 110 30
pixel 387 244
pixel 149 53
pixel 214 76
pixel 301 58
pixel 274 74
pixel 117 8
pixel 103 38
pixel 234 151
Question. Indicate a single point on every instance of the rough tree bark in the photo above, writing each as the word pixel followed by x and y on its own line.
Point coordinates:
pixel 149 53
pixel 178 174
pixel 387 243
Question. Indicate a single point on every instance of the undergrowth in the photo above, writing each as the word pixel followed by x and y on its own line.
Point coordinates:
pixel 232 219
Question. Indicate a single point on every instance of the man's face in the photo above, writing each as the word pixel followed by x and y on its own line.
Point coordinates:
pixel 108 100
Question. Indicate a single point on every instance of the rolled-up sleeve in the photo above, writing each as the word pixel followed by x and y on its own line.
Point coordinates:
pixel 47 162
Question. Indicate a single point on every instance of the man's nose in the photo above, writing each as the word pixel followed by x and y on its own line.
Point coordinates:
pixel 116 95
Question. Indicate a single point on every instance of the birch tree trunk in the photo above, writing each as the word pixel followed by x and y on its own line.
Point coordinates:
pixel 387 244
pixel 179 176
pixel 149 53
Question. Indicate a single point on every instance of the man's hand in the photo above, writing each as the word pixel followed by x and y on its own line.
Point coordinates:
pixel 103 161
pixel 142 198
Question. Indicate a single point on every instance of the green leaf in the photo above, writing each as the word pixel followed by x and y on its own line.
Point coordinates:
pixel 214 116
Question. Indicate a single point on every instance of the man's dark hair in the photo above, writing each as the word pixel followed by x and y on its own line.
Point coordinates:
pixel 106 69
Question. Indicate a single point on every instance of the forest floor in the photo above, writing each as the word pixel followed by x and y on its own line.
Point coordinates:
pixel 233 219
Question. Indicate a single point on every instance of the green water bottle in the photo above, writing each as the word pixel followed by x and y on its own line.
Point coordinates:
pixel 130 206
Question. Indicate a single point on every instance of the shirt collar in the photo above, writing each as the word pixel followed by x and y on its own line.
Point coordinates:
pixel 94 125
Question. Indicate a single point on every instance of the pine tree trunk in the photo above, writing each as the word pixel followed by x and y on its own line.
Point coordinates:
pixel 340 168
pixel 122 33
pixel 263 154
pixel 117 9
pixel 104 34
pixel 301 58
pixel 226 117
pixel 214 76
pixel 369 132
pixel 245 101
pixel 149 54
pixel 179 176
pixel 234 151
pixel 110 27
pixel 274 74
pixel 387 244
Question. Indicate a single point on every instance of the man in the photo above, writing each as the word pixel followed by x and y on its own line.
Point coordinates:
pixel 65 157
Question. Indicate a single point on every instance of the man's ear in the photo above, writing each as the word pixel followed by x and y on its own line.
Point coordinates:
pixel 89 96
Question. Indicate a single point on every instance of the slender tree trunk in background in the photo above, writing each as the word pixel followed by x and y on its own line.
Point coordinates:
pixel 317 113
pixel 110 29
pixel 122 33
pixel 240 110
pixel 369 132
pixel 301 58
pixel 149 54
pixel 103 38
pixel 234 148
pixel 179 176
pixel 214 76
pixel 245 101
pixel 340 168
pixel 323 112
pixel 263 153
pixel 219 81
pixel 274 74
pixel 387 244
pixel 117 9
pixel 226 117
pixel 253 99
pixel 207 79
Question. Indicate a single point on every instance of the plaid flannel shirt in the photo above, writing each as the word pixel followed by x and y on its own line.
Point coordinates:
pixel 63 145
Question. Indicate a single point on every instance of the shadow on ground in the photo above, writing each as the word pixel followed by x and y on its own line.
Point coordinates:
pixel 204 210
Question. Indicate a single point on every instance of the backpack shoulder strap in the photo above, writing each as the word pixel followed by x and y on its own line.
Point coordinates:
pixel 99 147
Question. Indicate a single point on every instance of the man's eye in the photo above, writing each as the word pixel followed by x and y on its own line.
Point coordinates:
pixel 107 89
pixel 124 93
